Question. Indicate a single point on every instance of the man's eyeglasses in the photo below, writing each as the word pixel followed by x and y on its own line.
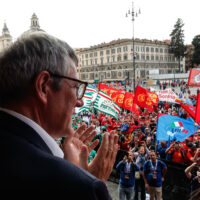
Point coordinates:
pixel 80 88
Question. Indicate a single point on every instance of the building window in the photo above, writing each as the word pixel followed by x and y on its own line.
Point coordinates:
pixel 131 47
pixel 101 61
pixel 119 58
pixel 95 54
pixel 86 55
pixel 119 67
pixel 119 73
pixel 157 58
pixel 91 55
pixel 114 74
pixel 142 73
pixel 113 58
pixel 82 56
pixel 125 57
pixel 119 50
pixel 113 51
pixel 156 50
pixel 131 56
pixel 101 53
pixel 113 67
pixel 108 75
pixel 143 57
pixel 142 49
pixel 152 57
pixel 95 61
pixel 108 59
pixel 152 49
pixel 161 58
pixel 147 49
pixel 137 48
pixel 91 76
pixel 137 57
pixel 125 48
pixel 86 62
pixel 82 63
pixel 91 62
pixel 147 57
pixel 107 52
pixel 161 50
pixel 82 76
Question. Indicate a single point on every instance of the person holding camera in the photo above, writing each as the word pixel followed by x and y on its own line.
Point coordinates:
pixel 177 152
pixel 127 169
pixel 193 155
pixel 194 177
pixel 141 156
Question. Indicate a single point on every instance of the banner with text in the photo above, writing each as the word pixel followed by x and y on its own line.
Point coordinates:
pixel 105 104
pixel 167 95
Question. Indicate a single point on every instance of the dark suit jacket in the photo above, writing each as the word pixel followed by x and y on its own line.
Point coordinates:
pixel 27 164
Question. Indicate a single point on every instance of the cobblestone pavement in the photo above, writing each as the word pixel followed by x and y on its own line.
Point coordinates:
pixel 113 189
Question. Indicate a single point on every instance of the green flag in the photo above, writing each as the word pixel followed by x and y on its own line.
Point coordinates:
pixel 105 104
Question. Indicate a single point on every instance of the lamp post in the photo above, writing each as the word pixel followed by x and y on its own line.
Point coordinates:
pixel 133 14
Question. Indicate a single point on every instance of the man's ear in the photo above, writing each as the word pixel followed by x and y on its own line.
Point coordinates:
pixel 42 86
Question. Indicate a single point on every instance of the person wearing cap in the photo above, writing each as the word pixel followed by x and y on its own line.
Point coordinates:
pixel 194 177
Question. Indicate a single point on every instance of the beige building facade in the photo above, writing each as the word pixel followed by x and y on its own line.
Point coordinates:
pixel 113 61
pixel 5 38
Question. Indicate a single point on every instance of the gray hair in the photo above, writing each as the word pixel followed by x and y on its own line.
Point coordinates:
pixel 26 58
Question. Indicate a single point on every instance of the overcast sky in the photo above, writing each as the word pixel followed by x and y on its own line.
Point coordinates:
pixel 83 23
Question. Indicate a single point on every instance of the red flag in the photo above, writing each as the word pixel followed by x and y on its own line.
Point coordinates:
pixel 194 78
pixel 197 116
pixel 118 97
pixel 128 103
pixel 106 89
pixel 145 98
pixel 190 109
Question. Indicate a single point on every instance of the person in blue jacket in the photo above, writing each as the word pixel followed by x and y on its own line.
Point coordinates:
pixel 127 169
pixel 154 172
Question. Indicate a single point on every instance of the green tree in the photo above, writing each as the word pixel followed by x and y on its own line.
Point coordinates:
pixel 177 46
pixel 196 54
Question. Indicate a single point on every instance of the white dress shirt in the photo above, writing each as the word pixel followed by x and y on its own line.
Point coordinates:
pixel 50 142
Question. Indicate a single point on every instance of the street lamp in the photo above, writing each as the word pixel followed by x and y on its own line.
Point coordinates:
pixel 133 14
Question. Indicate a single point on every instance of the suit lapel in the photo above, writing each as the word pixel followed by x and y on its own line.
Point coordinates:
pixel 17 127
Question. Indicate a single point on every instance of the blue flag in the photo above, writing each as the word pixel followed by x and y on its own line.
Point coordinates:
pixel 175 128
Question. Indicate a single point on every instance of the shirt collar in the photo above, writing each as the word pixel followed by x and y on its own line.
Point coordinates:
pixel 50 142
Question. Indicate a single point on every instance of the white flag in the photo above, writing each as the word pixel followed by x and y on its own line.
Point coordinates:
pixel 105 104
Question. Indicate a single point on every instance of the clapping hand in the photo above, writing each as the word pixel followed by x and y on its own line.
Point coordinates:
pixel 78 147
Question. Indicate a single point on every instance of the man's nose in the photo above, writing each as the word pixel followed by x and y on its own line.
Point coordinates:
pixel 79 103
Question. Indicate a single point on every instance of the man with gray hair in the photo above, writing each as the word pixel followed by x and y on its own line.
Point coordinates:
pixel 39 90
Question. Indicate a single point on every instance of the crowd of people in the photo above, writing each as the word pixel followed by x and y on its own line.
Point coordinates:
pixel 40 89
pixel 137 136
